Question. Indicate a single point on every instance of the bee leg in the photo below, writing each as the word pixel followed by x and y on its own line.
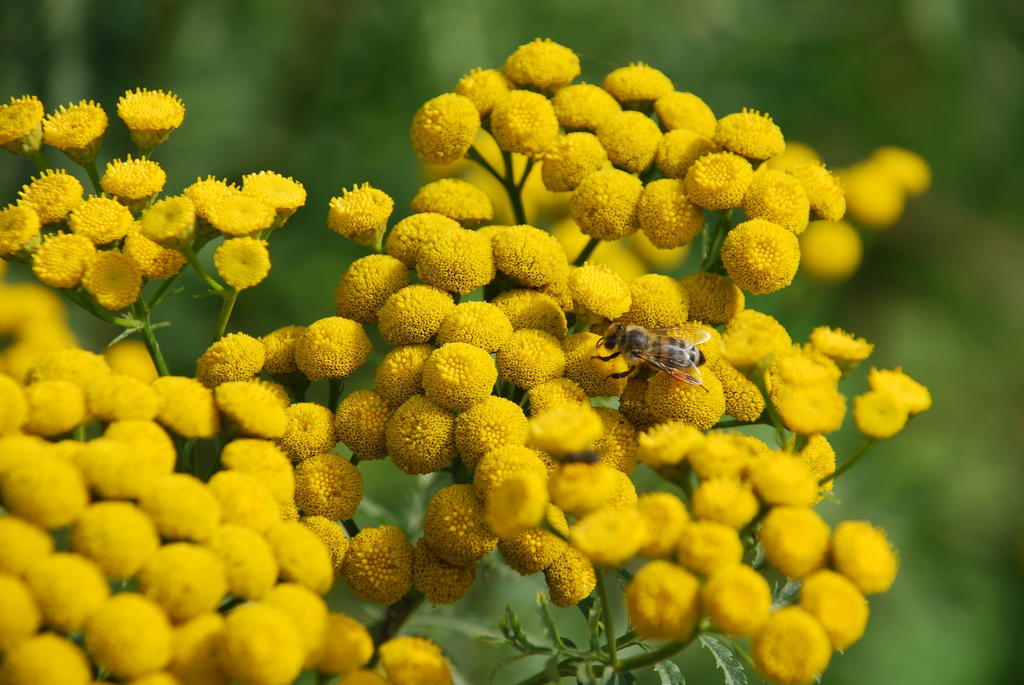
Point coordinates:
pixel 613 355
pixel 623 374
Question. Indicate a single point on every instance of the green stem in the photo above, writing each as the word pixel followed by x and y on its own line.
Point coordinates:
pixel 94 175
pixel 79 432
pixel 397 615
pixel 513 189
pixel 164 287
pixel 193 261
pixel 150 338
pixel 773 416
pixel 526 173
pixel 226 307
pixel 587 250
pixel 653 657
pixel 609 624
pixel 333 393
pixel 715 246
pixel 350 527
pixel 848 464
pixel 84 301
pixel 40 159
pixel 475 155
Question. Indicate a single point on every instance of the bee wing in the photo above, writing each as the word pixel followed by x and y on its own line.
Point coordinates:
pixel 691 334
pixel 680 370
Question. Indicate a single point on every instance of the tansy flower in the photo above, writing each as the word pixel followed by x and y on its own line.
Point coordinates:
pixel 666 444
pixel 54 407
pixel 792 647
pixel 19 616
pixel 413 314
pixel 604 205
pixel 279 350
pixel 360 424
pixel 439 581
pixel 793 154
pixel 52 194
pixel 116 470
pixel 48 492
pixel 184 579
pixel 530 357
pixel 536 549
pixel 24 544
pixel 182 507
pixel 839 345
pixel 150 115
pixel 820 458
pixel 542 64
pixel 685 111
pixel 155 262
pixel 712 298
pixel 570 159
pixel 235 357
pixel 666 216
pixel 129 636
pixel 565 429
pixel 779 198
pixel 830 250
pixel 743 399
pixel 310 430
pixel 454 527
pixel 725 500
pixel 328 485
pixel 283 193
pixel 458 375
pixel 456 199
pixel 100 219
pixel 702 406
pixel 532 309
pixel 495 422
pixel 73 365
pixel 152 446
pixel 483 87
pixel 251 408
pixel 556 393
pixel 610 537
pixel 705 546
pixel 68 589
pixel 761 256
pixel 205 193
pixel 480 324
pixel 444 128
pixel 631 403
pixel 631 140
pixel 458 261
pixel 399 374
pixel 617 444
pixel 838 604
pixel 414 661
pixel 332 536
pixel 570 578
pixel 751 336
pixel 504 462
pixel 529 256
pixel 579 487
pixel 302 557
pixel 718 180
pixel 261 458
pixel 118 536
pixel 242 262
pixel 593 375
pixel 249 563
pixel 524 122
pixel 62 259
pixel 378 565
pixel 637 83
pixel 306 610
pixel 196 646
pixel 909 169
pixel 240 215
pixel 113 279
pixel 679 149
pixel 795 540
pixel 45 658
pixel 413 232
pixel 19 224
pixel 261 646
pixel 360 214
pixel 893 382
pixel 599 290
pixel 737 598
pixel 665 516
pixel 516 504
pixel 118 397
pixel 331 347
pixel 874 198
pixel 824 191
pixel 131 358
pixel 76 130
pixel 879 414
pixel 783 479
pixel 862 553
pixel 244 500
pixel 583 106
pixel 21 124
pixel 420 436
pixel 663 601
pixel 750 134
pixel 133 181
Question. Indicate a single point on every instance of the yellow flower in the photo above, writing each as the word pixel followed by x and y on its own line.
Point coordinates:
pixel 303 558
pixel 839 345
pixel 701 406
pixel 679 149
pixel 725 500
pixel 150 115
pixel 761 256
pixel 307 611
pixel 454 526
pixel 52 194
pixel 378 565
pixel 862 553
pixel 363 677
pixel 570 159
pixel 68 588
pixel 504 462
pixel 666 444
pixel 516 504
pixel 310 430
pixel 458 261
pixel 874 198
pixel 484 87
pixel 750 134
pixel 580 488
pixel 116 535
pixel 718 180
pixel 556 393
pixel 414 661
pixel 631 139
pixel 665 517
pixel 534 550
pixel 911 394
pixel 820 458
pixel 706 546
pixel 235 357
pixel 663 602
pixel 420 436
pixel 909 169
pixel 133 181
pixel 45 658
pixel 113 279
pixel 783 479
pixel 685 111
pixel 542 64
pixel 19 225
pixel 149 448
pixel 838 604
pixel 617 444
pixel 495 422
pixel 360 214
pixel 76 130
pixel 197 645
pixel 184 579
pixel 583 106
pixel 524 122
pixel 62 259
pixel 131 358
pixel 712 299
pixel 328 485
pixel 399 374
pixel 743 399
pixel 439 581
pixel 332 347
pixel 793 154
pixel 54 407
pixel 14 410
pixel 244 500
pixel 458 375
pixel 414 314
pixel 155 262
pixel 778 197
pixel 249 564
pixel 480 324
pixel 610 537
pixel 19 616
pixel 21 124
pixel 570 578
pixel 182 507
pixel 751 337
pixel 529 256
pixel 242 262
pixel 101 219
pixel 605 204
pixel 637 83
pixel 810 410
pixel 413 232
pixel 565 429
pixel 283 193
pixel 24 544
pixel 594 376
pixel 205 193
pixel 279 350
pixel 261 458
pixel 347 646
pixel 830 250
pixel 444 128
pixel 792 647
pixel 737 598
pixel 240 215
pixel 360 424
pixel 332 536
pixel 823 189
pixel 261 646
pixel 456 199
pixel 599 290
pixel 666 216
pixel 532 309
pixel 530 357
pixel 129 636
pixel 879 414
pixel 73 365
pixel 795 540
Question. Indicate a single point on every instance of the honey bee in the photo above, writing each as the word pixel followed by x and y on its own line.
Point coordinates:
pixel 672 350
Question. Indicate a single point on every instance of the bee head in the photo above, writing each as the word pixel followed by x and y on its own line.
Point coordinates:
pixel 613 336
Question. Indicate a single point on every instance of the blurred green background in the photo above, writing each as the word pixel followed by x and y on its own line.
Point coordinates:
pixel 324 91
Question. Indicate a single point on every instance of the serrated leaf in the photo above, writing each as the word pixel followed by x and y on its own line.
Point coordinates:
pixel 732 668
pixel 669 673
pixel 586 605
pixel 544 609
pixel 783 595
pixel 122 335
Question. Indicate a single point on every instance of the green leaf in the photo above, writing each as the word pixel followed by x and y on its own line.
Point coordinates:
pixel 732 668
pixel 544 609
pixel 514 633
pixel 669 673
pixel 586 605
pixel 783 595
pixel 584 674
pixel 551 669
pixel 122 335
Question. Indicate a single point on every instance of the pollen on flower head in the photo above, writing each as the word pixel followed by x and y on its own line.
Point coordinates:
pixel 187 407
pixel 718 180
pixel 783 479
pixel 414 314
pixel 685 111
pixel 251 408
pixel 665 516
pixel 874 198
pixel 303 558
pixel 913 395
pixel 74 365
pixel 360 214
pixel 565 429
pixel 761 256
pixel 542 64
pixel 45 657
pixel 131 358
pixel 528 255
pixel 792 647
pixel 20 618
pixel 378 565
pixel 524 122
pixel 751 336
pixel 679 149
pixel 530 357
pixel 838 604
pixel 570 159
pixel 399 374
pixel 242 262
pixel 439 581
pixel 360 424
pixel 68 588
pixel 778 197
pixel 444 128
pixel 726 500
pixel 310 430
pixel 76 130
pixel 332 347
pixel 668 443
pixel 669 399
pixel 62 259
pixel 116 397
pixel 458 375
pixel 185 579
pixel 53 193
pixel 113 279
pixel 205 193
pixel 631 139
pixel 20 120
pixel 705 546
pixel 19 224
pixel 457 261
pixel 536 549
pixel 532 309
pixel 504 462
pixel 598 289
pixel 244 499
pixel 279 350
pixel 663 601
pixel 239 215
pixel 332 535
pixel 129 636
pixel 366 285
pixel 637 82
pixel 414 661
pixel 261 645
pixel 263 459
pixel 420 436
pixel 795 540
pixel 182 507
pixel 737 598
pixel 839 345
pixel 580 488
pixel 570 577
pixel 743 399
pixel 150 115
pixel 484 87
pixel 583 106
pixel 328 485
pixel 456 199
pixel 666 215
pixel 100 219
pixel 234 357
pixel 879 414
pixel 155 262
pixel 24 544
pixel 610 537
pixel 54 407
pixel 249 563
pixel 750 134
pixel 413 232
pixel 605 204
pixel 283 193
pixel 516 505
pixel 557 393
pixel 480 324
pixel 824 191
pixel 454 526
pixel 133 180
pixel 493 423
